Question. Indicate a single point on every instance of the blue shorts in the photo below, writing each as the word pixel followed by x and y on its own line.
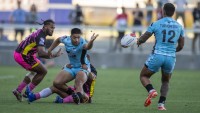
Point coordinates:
pixel 155 61
pixel 74 71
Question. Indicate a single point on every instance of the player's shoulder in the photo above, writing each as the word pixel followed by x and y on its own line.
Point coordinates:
pixel 64 38
pixel 154 24
pixel 38 34
pixel 157 22
pixel 181 26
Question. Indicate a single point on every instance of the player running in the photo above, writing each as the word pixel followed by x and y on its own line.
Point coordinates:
pixel 25 55
pixel 169 37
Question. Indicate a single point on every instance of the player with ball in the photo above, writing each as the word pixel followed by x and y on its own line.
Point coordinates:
pixel 169 36
pixel 128 40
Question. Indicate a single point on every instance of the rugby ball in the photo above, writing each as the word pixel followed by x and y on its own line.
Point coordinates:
pixel 128 40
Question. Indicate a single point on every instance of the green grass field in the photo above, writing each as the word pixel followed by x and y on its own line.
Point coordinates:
pixel 117 91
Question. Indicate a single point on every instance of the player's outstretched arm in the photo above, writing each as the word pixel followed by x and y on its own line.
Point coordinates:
pixel 53 46
pixel 89 45
pixel 144 38
pixel 180 44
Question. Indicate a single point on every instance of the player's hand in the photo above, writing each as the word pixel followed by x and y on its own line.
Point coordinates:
pixel 124 46
pixel 93 37
pixel 50 54
pixel 138 43
pixel 91 76
pixel 69 66
pixel 84 66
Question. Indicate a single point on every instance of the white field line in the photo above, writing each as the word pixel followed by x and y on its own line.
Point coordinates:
pixel 7 77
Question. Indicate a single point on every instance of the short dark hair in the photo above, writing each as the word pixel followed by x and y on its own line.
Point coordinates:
pixel 76 31
pixel 169 9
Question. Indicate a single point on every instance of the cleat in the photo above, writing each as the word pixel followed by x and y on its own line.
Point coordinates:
pixel 17 94
pixel 151 95
pixel 70 90
pixel 76 98
pixel 30 95
pixel 90 100
pixel 161 107
pixel 58 100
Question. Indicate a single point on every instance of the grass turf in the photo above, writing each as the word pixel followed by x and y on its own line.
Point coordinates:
pixel 116 91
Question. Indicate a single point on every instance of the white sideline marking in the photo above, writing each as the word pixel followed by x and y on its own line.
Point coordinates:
pixel 7 77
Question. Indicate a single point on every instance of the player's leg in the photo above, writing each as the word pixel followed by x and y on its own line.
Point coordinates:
pixel 116 42
pixel 21 34
pixel 78 96
pixel 40 71
pixel 26 64
pixel 152 65
pixel 80 79
pixel 27 79
pixel 194 43
pixel 66 99
pixel 167 69
pixel 16 32
pixel 83 98
pixel 121 34
pixel 44 93
pixel 164 90
pixel 145 80
pixel 199 40
pixel 65 76
pixel 89 86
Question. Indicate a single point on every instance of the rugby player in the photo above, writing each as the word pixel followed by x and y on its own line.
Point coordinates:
pixel 169 36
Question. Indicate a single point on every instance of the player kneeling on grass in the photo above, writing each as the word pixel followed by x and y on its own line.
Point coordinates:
pixel 67 97
pixel 74 45
pixel 88 88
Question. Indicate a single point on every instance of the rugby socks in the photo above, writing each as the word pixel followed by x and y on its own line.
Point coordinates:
pixel 37 96
pixel 92 87
pixel 149 88
pixel 68 99
pixel 21 86
pixel 31 86
pixel 162 99
pixel 44 93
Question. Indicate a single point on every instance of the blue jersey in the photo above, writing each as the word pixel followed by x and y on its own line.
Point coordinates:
pixel 167 31
pixel 74 52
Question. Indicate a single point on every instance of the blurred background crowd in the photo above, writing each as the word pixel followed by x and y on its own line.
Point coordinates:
pixel 110 18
